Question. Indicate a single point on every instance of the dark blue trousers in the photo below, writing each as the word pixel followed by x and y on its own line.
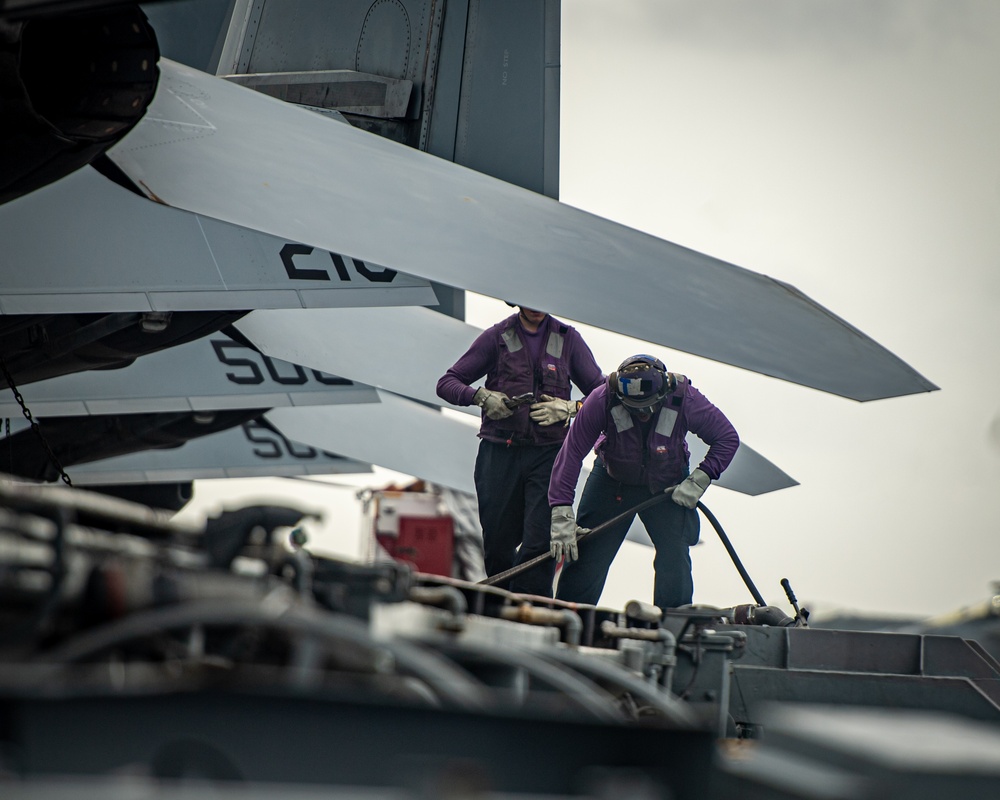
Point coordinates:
pixel 672 528
pixel 512 485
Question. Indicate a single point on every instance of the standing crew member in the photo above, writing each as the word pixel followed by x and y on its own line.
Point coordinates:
pixel 528 353
pixel 639 419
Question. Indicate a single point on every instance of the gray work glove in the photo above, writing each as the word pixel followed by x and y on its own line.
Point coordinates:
pixel 552 410
pixel 690 490
pixel 492 403
pixel 562 536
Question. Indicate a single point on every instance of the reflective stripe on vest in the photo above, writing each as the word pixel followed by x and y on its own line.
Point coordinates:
pixel 553 344
pixel 622 418
pixel 665 421
pixel 666 417
pixel 512 340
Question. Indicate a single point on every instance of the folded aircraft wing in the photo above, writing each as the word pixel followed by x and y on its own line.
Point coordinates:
pixel 397 434
pixel 252 449
pixel 404 353
pixel 209 374
pixel 115 251
pixel 229 153
pixel 97 423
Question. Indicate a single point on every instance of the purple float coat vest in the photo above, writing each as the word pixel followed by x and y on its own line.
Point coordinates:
pixel 663 460
pixel 514 375
pixel 500 355
pixel 659 461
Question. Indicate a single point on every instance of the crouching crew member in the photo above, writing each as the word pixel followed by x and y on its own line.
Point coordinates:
pixel 639 419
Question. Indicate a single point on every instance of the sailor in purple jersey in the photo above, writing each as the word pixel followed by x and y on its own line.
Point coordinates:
pixel 528 353
pixel 636 422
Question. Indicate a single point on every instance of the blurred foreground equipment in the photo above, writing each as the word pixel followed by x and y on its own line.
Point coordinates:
pixel 434 529
pixel 142 656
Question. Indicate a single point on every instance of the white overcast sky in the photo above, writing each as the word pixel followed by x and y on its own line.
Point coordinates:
pixel 851 149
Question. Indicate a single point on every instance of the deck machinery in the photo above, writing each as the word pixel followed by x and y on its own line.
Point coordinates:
pixel 140 656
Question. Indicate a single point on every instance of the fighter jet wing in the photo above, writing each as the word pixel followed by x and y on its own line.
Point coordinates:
pixel 191 392
pixel 219 372
pixel 229 153
pixel 212 373
pixel 748 473
pixel 303 336
pixel 250 450
pixel 398 434
pixel 162 259
pixel 434 342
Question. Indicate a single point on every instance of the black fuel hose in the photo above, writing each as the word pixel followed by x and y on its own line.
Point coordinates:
pixel 732 553
pixel 513 572
pixel 506 575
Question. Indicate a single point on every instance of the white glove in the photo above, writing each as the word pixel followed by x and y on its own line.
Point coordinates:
pixel 690 490
pixel 562 536
pixel 492 403
pixel 553 410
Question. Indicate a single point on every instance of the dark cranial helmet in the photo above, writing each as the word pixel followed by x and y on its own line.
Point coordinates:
pixel 641 382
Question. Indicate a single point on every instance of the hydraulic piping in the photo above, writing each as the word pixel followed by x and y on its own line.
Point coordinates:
pixel 448 597
pixel 568 620
pixel 643 612
pixel 318 629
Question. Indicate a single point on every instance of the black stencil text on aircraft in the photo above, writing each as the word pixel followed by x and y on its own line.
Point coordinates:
pixel 273 444
pixel 290 251
pixel 249 373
